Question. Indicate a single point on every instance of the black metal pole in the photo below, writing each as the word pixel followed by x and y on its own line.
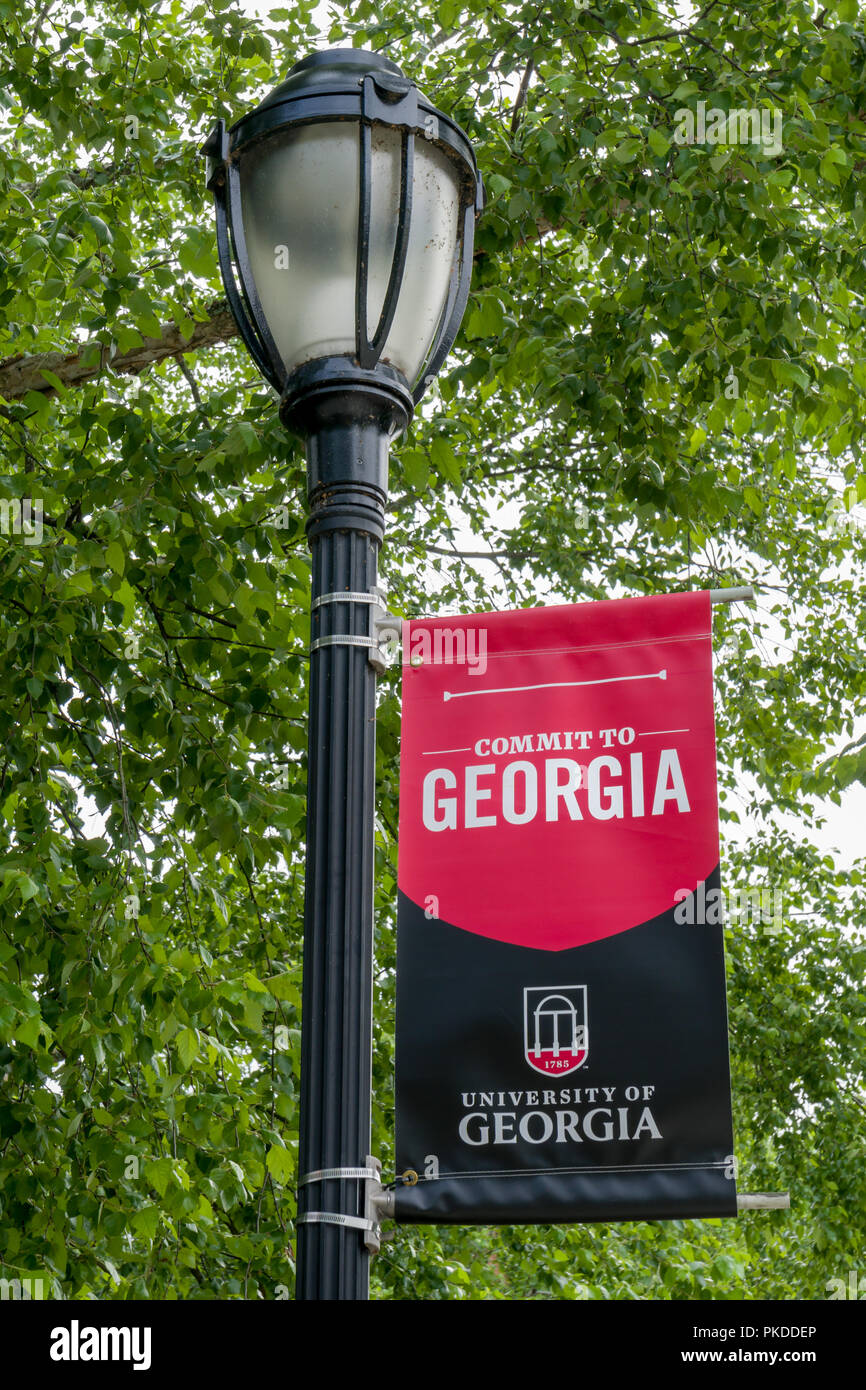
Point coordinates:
pixel 347 433
pixel 347 407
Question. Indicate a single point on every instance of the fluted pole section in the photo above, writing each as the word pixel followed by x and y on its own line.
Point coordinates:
pixel 347 462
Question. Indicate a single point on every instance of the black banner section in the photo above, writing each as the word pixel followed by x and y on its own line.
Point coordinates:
pixel 641 1128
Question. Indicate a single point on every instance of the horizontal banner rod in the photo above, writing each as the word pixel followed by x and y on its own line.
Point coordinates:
pixel 761 1201
pixel 743 593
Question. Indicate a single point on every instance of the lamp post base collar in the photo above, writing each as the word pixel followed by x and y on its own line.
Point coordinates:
pixel 333 391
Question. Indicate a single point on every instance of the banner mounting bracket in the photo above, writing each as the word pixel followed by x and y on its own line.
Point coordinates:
pixel 383 637
pixel 378 1204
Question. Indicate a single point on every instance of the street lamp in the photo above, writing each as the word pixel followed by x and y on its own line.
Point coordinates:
pixel 345 210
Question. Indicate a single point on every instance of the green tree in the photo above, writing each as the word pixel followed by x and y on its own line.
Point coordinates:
pixel 656 387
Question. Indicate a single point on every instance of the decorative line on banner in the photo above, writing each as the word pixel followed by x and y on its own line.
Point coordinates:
pixel 577 1172
pixel 650 733
pixel 552 685
pixel 440 752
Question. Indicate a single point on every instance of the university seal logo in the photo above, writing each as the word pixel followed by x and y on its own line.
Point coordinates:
pixel 555 1028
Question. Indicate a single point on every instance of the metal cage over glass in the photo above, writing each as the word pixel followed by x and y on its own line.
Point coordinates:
pixel 345 208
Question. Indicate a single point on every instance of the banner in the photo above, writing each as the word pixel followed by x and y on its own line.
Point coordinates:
pixel 562 1049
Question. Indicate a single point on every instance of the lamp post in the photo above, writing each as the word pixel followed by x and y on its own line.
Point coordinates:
pixel 344 200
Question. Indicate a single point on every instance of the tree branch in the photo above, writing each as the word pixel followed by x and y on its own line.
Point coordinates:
pixel 21 374
pixel 521 96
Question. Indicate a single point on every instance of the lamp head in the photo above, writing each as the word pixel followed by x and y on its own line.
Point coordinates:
pixel 346 205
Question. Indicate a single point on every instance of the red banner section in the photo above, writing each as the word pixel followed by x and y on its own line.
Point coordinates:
pixel 557 801
pixel 558 767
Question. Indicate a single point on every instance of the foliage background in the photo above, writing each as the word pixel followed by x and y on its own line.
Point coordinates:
pixel 657 387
